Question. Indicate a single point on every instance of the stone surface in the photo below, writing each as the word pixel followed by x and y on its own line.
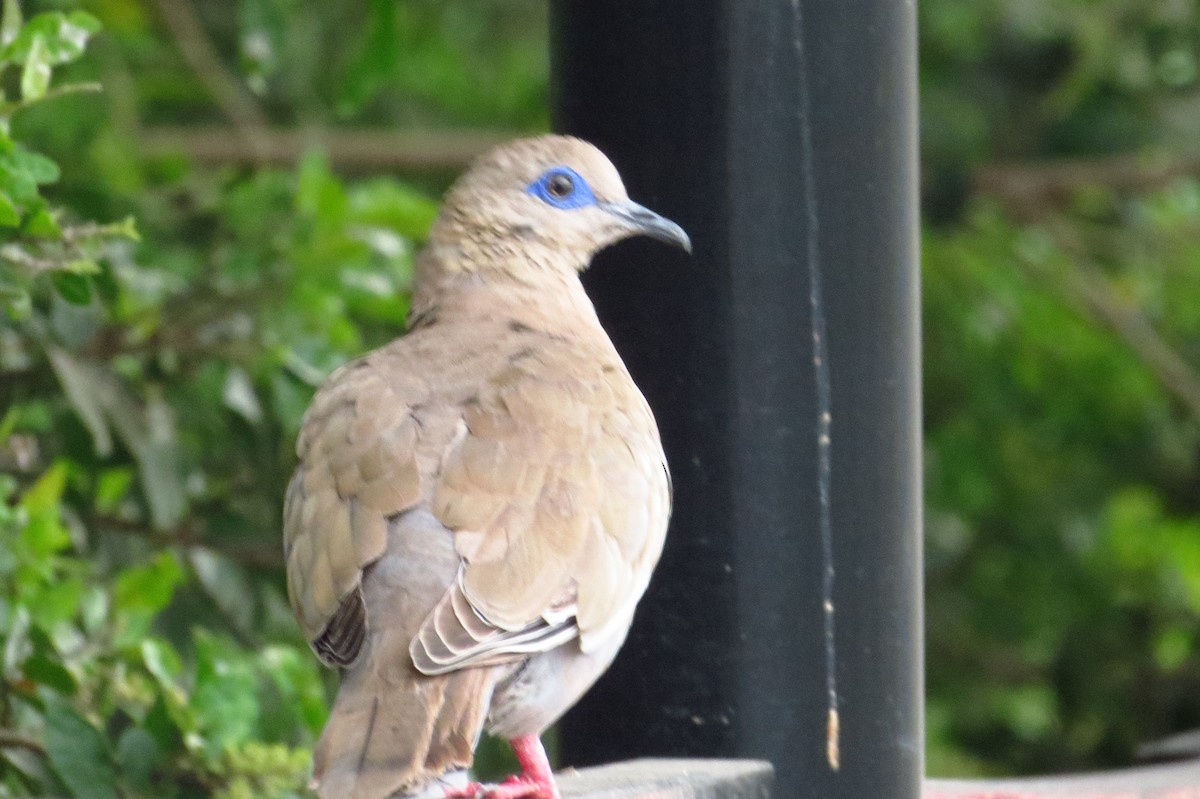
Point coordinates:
pixel 754 779
pixel 670 779
pixel 1170 781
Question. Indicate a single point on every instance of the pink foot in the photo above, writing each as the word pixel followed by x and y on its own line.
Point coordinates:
pixel 512 788
pixel 536 780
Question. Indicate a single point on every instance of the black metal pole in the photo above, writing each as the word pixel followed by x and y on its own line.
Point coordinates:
pixel 782 135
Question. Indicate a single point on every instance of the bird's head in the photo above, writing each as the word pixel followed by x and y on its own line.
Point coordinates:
pixel 554 196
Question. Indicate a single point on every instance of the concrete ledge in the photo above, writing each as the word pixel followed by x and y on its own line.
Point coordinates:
pixel 670 779
pixel 1169 781
pixel 753 779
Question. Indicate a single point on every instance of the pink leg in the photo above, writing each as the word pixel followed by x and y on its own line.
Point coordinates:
pixel 536 780
pixel 535 766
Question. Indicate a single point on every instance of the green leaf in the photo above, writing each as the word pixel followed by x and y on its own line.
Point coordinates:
pixel 111 487
pixel 225 699
pixel 9 215
pixel 35 166
pixel 84 384
pixel 126 228
pixel 163 723
pixel 74 288
pixel 43 496
pixel 35 78
pixel 8 423
pixel 163 662
pixel 82 266
pixel 93 609
pixel 138 755
pixel 319 195
pixel 42 224
pixel 81 25
pixel 377 59
pixel 239 396
pixel 227 583
pixel 78 752
pixel 141 592
pixel 80 234
pixel 1173 647
pixel 298 680
pixel 148 429
pixel 57 602
pixel 148 588
pixel 21 171
pixel 393 205
pixel 11 23
pixel 64 37
pixel 50 673
pixel 44 536
pixel 17 643
pixel 156 448
pixel 18 305
pixel 19 187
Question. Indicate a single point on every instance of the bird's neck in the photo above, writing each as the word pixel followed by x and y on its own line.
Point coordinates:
pixel 542 296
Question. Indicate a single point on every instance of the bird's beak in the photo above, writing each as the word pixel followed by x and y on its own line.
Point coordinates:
pixel 641 220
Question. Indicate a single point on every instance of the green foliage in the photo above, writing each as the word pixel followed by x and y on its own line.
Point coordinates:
pixel 1062 527
pixel 170 424
pixel 1062 412
pixel 112 708
pixel 34 242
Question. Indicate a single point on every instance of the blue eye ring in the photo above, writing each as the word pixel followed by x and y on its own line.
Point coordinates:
pixel 562 187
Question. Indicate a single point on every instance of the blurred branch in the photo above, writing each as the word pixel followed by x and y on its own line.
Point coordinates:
pixel 186 534
pixel 227 91
pixel 349 150
pixel 1100 301
pixel 15 254
pixel 1031 187
pixel 1089 289
pixel 20 453
pixel 994 664
pixel 189 535
pixel 119 86
pixel 11 739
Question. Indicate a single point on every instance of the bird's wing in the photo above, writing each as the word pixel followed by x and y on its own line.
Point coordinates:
pixel 556 489
pixel 549 472
pixel 358 467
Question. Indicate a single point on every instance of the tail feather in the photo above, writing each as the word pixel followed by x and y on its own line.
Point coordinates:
pixel 389 737
pixel 394 731
pixel 460 718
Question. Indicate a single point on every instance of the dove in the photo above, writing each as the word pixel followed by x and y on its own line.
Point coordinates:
pixel 478 505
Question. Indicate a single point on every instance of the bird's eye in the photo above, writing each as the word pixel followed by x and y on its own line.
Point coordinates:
pixel 562 187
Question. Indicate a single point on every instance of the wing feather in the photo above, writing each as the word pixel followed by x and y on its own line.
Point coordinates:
pixel 558 497
pixel 548 472
pixel 357 468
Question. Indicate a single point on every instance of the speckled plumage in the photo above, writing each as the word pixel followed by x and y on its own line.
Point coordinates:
pixel 479 504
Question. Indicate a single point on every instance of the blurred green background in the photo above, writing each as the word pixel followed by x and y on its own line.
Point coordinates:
pixel 205 207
